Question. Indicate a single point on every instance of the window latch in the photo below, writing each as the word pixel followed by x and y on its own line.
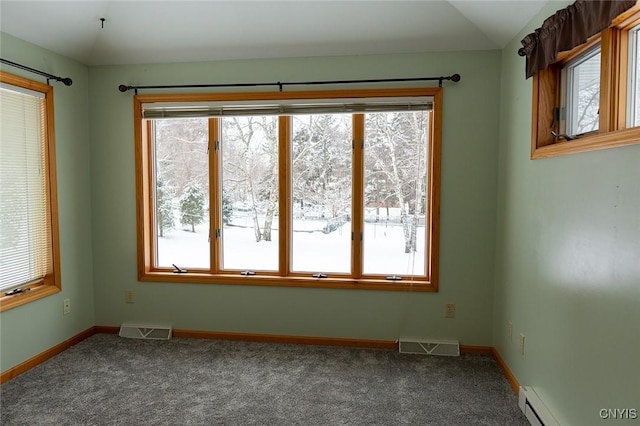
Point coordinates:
pixel 319 275
pixel 394 278
pixel 246 273
pixel 178 270
pixel 17 291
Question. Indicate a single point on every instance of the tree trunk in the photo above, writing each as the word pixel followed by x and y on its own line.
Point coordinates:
pixel 193 227
pixel 417 205
pixel 397 183
pixel 273 199
pixel 406 229
pixel 414 232
pixel 271 208
pixel 254 210
pixel 247 172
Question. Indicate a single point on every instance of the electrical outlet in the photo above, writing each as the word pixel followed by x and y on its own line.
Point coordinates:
pixel 510 331
pixel 521 344
pixel 66 306
pixel 128 296
pixel 450 310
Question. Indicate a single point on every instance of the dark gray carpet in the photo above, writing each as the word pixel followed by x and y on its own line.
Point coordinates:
pixel 108 380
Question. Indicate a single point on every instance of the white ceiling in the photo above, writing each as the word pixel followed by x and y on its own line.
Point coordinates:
pixel 176 31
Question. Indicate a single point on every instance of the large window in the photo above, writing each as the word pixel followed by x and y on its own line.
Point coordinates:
pixel 29 259
pixel 337 189
pixel 588 98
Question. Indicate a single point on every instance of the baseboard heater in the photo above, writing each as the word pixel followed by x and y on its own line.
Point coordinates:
pixel 534 409
pixel 154 332
pixel 408 345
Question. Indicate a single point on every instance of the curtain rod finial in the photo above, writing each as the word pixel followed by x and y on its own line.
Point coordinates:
pixel 67 81
pixel 123 88
pixel 521 52
pixel 455 78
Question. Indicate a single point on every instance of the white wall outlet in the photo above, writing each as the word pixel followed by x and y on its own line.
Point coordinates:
pixel 450 310
pixel 509 331
pixel 521 344
pixel 128 296
pixel 66 306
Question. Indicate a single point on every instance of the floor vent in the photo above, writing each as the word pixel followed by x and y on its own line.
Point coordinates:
pixel 429 347
pixel 534 409
pixel 154 332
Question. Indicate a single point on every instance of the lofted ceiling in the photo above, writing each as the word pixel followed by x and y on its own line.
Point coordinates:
pixel 177 31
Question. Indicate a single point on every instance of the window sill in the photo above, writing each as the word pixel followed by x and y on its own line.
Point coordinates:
pixel 277 281
pixel 588 143
pixel 36 292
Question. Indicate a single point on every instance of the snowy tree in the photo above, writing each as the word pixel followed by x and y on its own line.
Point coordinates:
pixel 164 207
pixel 321 163
pixel 587 111
pixel 269 183
pixel 181 152
pixel 227 207
pixel 192 207
pixel 395 146
pixel 250 167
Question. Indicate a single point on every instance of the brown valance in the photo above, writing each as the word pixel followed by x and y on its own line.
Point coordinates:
pixel 568 28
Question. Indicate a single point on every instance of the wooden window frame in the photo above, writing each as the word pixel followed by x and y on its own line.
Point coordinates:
pixel 51 283
pixel 144 202
pixel 613 131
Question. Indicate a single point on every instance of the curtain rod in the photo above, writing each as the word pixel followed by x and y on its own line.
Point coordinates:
pixel 455 78
pixel 66 80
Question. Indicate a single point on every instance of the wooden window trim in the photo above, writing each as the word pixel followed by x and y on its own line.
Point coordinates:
pixel 51 284
pixel 613 95
pixel 144 201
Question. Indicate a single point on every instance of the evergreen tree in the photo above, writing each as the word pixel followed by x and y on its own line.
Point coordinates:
pixel 192 207
pixel 164 208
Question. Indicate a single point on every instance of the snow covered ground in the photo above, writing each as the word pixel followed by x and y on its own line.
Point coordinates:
pixel 313 251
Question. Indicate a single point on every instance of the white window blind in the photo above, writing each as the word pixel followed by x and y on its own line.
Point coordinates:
pixel 25 234
pixel 161 110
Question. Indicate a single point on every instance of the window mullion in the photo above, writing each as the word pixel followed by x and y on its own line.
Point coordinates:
pixel 613 81
pixel 215 196
pixel 284 196
pixel 357 207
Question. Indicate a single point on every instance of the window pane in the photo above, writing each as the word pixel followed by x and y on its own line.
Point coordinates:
pixel 583 97
pixel 250 193
pixel 633 108
pixel 321 193
pixel 182 193
pixel 395 193
pixel 25 233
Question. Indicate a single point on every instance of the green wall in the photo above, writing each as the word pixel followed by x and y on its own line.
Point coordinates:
pixel 469 182
pixel 568 263
pixel 564 268
pixel 28 330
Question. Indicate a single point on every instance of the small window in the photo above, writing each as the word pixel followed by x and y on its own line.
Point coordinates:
pixel 589 99
pixel 29 259
pixel 582 94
